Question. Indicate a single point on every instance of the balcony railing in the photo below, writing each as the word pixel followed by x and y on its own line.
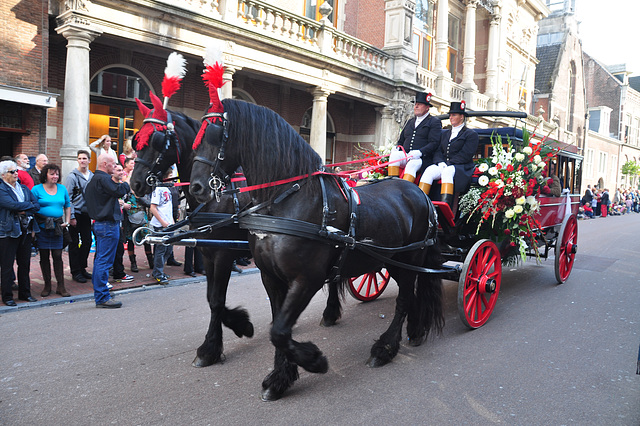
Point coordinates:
pixel 291 28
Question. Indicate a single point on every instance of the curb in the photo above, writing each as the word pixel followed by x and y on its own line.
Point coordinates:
pixel 89 296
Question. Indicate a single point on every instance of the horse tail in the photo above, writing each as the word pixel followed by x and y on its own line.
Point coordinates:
pixel 430 296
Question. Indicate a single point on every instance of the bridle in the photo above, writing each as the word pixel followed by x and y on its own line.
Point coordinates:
pixel 161 144
pixel 215 132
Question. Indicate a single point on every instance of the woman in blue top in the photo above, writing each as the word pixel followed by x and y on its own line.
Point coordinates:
pixel 54 215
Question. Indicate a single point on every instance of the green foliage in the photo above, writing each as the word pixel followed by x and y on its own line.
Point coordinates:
pixel 631 168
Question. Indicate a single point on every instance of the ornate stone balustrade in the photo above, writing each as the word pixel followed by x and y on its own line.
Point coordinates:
pixel 426 79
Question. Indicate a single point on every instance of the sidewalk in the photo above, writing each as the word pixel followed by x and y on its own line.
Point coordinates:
pixel 84 291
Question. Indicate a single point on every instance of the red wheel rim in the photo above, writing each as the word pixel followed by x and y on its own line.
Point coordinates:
pixel 566 249
pixel 369 286
pixel 479 284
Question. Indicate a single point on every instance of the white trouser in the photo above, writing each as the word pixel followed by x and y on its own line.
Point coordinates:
pixel 411 165
pixel 435 172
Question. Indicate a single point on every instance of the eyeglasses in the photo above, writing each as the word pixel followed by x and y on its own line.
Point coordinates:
pixel 12 171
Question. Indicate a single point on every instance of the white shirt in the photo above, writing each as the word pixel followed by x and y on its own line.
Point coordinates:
pixel 161 197
pixel 420 120
pixel 455 131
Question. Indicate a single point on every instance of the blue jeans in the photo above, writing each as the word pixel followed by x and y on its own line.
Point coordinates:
pixel 107 236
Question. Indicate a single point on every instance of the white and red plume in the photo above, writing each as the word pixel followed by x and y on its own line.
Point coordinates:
pixel 173 74
pixel 212 76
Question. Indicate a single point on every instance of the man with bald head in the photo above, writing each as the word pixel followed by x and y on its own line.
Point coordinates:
pixel 41 161
pixel 101 196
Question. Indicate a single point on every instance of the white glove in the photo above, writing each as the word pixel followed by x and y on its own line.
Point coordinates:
pixel 442 165
pixel 415 153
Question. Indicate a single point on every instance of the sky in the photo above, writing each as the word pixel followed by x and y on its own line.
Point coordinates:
pixel 609 31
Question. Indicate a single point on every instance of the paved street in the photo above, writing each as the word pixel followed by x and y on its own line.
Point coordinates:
pixel 550 355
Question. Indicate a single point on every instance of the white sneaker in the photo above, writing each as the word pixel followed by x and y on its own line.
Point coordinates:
pixel 109 286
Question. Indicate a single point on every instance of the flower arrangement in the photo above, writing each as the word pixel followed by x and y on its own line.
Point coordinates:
pixel 374 157
pixel 504 200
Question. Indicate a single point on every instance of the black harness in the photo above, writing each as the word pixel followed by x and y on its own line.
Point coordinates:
pixel 160 141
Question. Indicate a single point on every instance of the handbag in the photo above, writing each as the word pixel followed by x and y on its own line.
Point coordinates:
pixel 66 237
pixel 137 218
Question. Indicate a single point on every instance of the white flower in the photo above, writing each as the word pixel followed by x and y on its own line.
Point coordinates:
pixel 521 200
pixel 500 183
pixel 533 167
pixel 493 171
pixel 531 200
pixel 483 167
pixel 483 180
pixel 527 150
pixel 537 159
pixel 518 209
pixel 519 156
pixel 509 214
pixel 365 175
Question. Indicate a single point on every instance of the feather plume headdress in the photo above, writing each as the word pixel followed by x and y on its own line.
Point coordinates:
pixel 212 76
pixel 174 72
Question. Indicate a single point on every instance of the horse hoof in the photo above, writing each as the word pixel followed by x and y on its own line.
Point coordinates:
pixel 200 362
pixel 248 330
pixel 375 362
pixel 417 341
pixel 269 395
pixel 324 322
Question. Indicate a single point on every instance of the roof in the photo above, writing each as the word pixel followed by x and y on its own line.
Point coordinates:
pixel 545 70
pixel 634 82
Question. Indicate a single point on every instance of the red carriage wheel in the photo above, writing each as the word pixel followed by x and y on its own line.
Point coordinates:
pixel 566 248
pixel 369 286
pixel 479 283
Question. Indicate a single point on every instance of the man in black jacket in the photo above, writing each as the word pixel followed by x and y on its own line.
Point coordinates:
pixel 419 138
pixel 454 156
pixel 102 195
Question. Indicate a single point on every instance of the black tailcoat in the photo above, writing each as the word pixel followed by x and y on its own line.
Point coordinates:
pixel 458 152
pixel 426 138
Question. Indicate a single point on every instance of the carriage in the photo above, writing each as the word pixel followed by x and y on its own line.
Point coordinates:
pixel 306 228
pixel 480 259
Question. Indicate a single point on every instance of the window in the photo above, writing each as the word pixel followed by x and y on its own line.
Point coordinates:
pixel 120 83
pixel 422 44
pixel 312 11
pixel 602 163
pixel 588 163
pixel 453 38
pixel 424 16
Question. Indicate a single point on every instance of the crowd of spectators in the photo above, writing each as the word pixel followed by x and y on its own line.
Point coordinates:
pixel 600 203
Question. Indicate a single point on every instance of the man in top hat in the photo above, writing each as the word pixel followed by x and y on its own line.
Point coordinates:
pixel 454 157
pixel 419 138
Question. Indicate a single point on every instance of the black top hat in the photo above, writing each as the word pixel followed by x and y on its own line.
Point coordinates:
pixel 458 108
pixel 423 98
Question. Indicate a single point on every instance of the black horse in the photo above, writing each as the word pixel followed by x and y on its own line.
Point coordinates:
pixel 159 148
pixel 294 263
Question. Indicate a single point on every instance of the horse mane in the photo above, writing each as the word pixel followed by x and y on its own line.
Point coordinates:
pixel 264 137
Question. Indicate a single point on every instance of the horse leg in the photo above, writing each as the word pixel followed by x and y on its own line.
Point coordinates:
pixel 427 312
pixel 218 267
pixel 289 353
pixel 388 345
pixel 333 311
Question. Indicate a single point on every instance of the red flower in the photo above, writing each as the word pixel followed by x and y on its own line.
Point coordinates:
pixel 498 166
pixel 510 168
pixel 507 232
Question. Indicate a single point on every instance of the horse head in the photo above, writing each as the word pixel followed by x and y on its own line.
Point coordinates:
pixel 211 165
pixel 157 146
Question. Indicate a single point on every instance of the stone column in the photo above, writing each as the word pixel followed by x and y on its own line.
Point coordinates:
pixel 75 120
pixel 227 78
pixel 469 61
pixel 385 132
pixel 492 58
pixel 318 136
pixel 442 42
